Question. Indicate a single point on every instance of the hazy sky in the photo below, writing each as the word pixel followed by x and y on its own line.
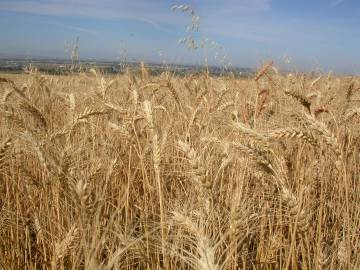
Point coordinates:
pixel 310 33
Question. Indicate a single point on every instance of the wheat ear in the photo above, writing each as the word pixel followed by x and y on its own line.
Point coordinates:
pixel 5 146
pixel 294 133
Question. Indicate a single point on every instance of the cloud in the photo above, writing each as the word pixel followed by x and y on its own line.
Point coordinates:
pixel 154 11
pixel 336 3
pixel 142 11
pixel 80 29
pixel 109 9
pixel 233 7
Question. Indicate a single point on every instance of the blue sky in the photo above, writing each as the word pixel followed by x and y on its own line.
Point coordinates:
pixel 311 34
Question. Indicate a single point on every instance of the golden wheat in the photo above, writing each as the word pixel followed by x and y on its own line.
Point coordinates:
pixel 137 171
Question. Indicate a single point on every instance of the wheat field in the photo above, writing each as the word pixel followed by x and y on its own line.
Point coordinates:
pixel 136 171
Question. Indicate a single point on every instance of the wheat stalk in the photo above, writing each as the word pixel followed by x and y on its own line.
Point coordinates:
pixel 156 150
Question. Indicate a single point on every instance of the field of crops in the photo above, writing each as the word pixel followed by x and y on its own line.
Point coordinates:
pixel 141 172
